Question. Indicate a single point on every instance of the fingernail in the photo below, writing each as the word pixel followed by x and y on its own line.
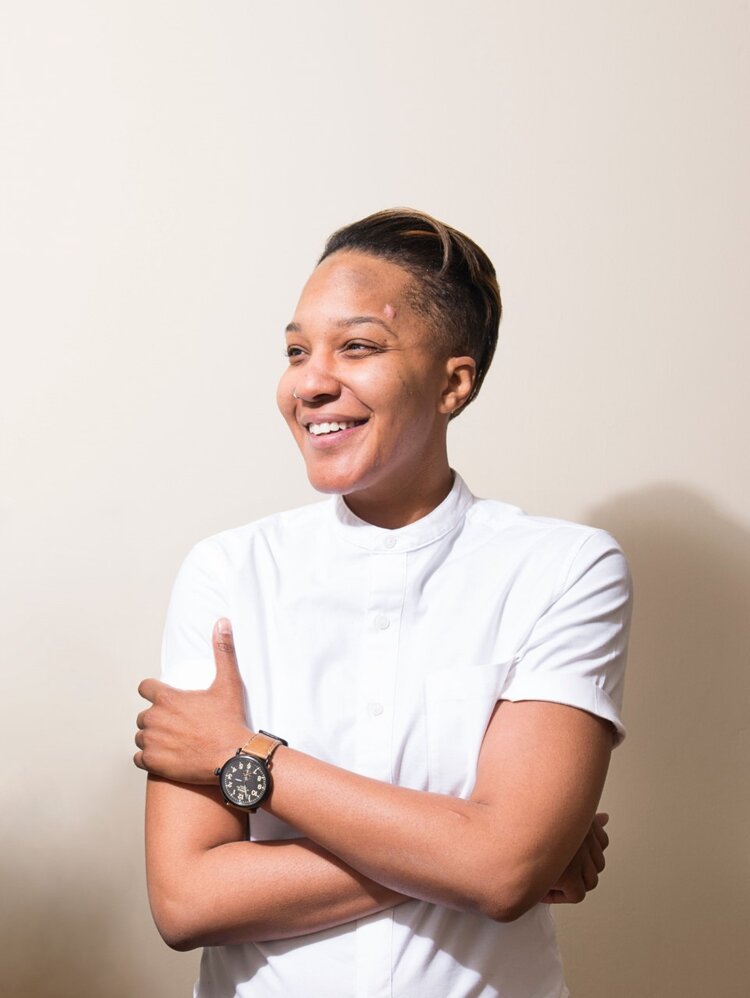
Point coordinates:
pixel 225 626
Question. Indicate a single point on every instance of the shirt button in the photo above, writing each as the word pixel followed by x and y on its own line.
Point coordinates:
pixel 382 622
pixel 389 542
pixel 375 709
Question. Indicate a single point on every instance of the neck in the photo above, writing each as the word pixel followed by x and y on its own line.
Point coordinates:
pixel 412 501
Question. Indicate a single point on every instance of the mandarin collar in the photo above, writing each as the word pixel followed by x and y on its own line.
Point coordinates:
pixel 441 521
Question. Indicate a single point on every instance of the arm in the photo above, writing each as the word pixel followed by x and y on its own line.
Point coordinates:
pixel 208 886
pixel 496 853
pixel 541 771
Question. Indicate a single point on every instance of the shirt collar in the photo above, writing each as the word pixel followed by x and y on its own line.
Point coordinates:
pixel 441 521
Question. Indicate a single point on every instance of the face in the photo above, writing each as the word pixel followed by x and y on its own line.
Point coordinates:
pixel 374 393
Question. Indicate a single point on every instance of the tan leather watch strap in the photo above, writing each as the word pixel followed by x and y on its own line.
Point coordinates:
pixel 262 745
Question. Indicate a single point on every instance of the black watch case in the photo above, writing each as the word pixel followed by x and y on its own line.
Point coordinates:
pixel 245 781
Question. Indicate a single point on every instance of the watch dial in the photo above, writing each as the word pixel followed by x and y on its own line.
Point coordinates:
pixel 244 780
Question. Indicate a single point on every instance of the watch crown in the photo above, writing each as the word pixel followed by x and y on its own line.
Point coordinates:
pixel 217 771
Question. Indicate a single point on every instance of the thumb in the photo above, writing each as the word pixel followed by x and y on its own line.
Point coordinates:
pixel 227 670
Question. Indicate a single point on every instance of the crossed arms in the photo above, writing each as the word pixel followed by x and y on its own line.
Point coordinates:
pixel 527 833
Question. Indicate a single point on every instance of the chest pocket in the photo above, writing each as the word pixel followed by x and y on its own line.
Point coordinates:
pixel 458 705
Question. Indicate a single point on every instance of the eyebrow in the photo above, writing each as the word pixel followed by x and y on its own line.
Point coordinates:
pixel 354 320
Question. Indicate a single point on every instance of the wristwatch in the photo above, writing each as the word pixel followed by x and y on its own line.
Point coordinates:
pixel 245 779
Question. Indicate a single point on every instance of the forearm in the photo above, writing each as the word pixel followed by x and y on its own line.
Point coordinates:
pixel 429 846
pixel 208 887
pixel 540 776
pixel 250 892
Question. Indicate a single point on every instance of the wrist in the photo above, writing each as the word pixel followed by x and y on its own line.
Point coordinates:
pixel 245 778
pixel 213 757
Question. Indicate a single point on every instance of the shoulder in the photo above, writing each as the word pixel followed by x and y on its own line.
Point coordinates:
pixel 568 597
pixel 270 534
pixel 542 544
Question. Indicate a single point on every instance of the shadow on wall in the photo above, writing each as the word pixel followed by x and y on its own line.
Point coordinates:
pixel 670 918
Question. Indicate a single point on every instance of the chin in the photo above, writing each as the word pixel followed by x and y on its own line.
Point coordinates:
pixel 328 488
pixel 331 486
pixel 331 477
pixel 333 483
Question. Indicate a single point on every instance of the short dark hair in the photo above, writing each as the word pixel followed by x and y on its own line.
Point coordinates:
pixel 455 283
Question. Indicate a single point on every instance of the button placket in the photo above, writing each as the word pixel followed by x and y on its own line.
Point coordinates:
pixel 376 684
pixel 378 664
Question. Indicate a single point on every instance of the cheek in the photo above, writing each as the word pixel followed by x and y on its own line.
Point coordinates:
pixel 284 399
pixel 380 390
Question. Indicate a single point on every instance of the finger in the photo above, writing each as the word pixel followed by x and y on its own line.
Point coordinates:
pixel 597 827
pixel 570 886
pixel 589 875
pixel 151 689
pixel 139 739
pixel 575 892
pixel 596 853
pixel 225 656
pixel 140 721
pixel 601 836
pixel 138 760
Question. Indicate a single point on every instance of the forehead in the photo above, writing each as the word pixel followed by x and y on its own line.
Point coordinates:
pixel 349 282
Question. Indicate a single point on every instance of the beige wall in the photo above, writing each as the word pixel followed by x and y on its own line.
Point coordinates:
pixel 168 172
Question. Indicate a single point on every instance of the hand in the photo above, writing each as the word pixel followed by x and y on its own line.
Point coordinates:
pixel 187 734
pixel 582 873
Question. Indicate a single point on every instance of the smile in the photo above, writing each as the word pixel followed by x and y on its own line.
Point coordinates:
pixel 320 429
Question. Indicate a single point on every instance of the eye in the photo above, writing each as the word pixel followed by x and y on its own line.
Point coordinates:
pixel 293 353
pixel 361 347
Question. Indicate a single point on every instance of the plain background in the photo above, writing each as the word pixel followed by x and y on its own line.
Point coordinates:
pixel 169 173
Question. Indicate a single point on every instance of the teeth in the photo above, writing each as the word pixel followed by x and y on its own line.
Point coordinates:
pixel 319 428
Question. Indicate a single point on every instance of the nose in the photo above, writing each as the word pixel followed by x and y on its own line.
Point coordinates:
pixel 316 380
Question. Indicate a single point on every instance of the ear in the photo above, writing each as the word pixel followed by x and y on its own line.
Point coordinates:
pixel 461 373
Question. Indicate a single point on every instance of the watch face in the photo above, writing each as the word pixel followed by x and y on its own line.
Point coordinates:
pixel 244 780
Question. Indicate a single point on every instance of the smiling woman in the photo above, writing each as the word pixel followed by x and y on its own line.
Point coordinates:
pixel 388 388
pixel 446 673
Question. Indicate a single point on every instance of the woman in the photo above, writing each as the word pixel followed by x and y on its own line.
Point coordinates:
pixel 446 671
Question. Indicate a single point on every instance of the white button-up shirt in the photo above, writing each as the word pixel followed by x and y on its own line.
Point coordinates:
pixel 385 651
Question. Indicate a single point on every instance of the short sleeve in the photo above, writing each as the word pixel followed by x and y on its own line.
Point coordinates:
pixel 576 651
pixel 196 603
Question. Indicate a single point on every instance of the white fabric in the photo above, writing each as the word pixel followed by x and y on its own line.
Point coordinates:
pixel 384 652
